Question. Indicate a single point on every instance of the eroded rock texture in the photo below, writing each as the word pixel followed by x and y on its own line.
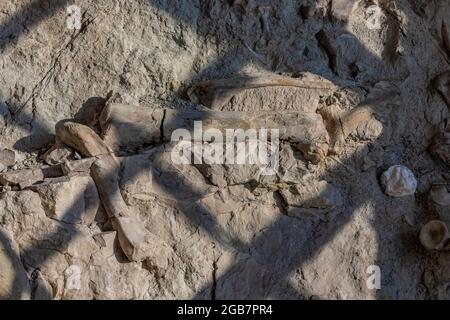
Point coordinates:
pixel 358 70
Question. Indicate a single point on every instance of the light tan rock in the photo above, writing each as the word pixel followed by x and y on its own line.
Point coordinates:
pixel 7 158
pixel 27 177
pixel 75 167
pixel 342 9
pixel 57 154
pixel 228 199
pixel 69 199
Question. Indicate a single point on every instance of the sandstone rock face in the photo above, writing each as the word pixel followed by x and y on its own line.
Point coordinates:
pixel 224 231
pixel 399 181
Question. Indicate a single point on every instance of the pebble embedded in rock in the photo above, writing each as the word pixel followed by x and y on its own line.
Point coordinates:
pixel 399 181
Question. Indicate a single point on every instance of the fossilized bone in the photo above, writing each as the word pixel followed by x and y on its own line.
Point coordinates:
pixel 442 85
pixel 105 172
pixel 435 236
pixel 340 124
pixel 215 94
pixel 306 131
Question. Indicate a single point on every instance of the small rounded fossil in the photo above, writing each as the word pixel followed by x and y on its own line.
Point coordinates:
pixel 434 236
pixel 399 181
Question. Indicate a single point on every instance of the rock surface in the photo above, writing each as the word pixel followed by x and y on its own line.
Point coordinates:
pixel 258 250
pixel 69 199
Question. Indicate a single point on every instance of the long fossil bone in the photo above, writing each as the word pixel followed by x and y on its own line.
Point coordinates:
pixel 217 93
pixel 105 172
pixel 306 131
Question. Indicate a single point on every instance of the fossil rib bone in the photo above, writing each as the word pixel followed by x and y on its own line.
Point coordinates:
pixel 105 172
pixel 217 93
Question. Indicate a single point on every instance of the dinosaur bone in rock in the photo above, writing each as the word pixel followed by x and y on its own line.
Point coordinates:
pixel 340 124
pixel 215 94
pixel 133 237
pixel 306 131
pixel 130 126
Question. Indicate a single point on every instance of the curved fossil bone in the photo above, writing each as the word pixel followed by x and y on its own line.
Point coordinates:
pixel 105 172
